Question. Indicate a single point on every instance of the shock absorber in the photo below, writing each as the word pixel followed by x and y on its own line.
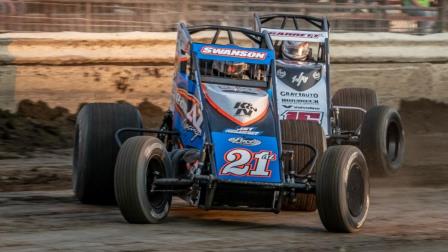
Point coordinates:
pixel 337 124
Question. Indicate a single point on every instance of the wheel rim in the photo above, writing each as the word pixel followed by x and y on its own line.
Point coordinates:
pixel 157 200
pixel 393 141
pixel 355 191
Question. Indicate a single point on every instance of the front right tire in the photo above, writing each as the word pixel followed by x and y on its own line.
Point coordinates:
pixel 342 189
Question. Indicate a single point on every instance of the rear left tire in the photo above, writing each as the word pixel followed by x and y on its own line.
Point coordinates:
pixel 95 149
pixel 308 133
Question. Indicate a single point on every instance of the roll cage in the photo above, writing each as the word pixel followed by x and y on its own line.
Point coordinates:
pixel 292 23
pixel 321 23
pixel 261 39
pixel 194 59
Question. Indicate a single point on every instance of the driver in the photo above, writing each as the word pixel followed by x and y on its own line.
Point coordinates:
pixel 230 69
pixel 296 50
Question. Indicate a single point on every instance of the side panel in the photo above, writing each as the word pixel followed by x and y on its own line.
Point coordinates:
pixel 302 92
pixel 186 107
pixel 188 117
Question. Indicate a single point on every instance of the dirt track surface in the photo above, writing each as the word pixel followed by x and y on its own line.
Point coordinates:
pixel 54 221
pixel 408 213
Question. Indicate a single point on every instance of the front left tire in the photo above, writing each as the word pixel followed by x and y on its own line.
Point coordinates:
pixel 140 161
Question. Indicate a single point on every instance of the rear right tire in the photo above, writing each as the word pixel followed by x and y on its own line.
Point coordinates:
pixel 364 98
pixel 382 141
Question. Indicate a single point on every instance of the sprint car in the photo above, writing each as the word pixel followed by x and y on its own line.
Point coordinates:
pixel 352 116
pixel 221 144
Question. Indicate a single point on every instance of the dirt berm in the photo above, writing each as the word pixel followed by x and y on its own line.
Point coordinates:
pixel 37 126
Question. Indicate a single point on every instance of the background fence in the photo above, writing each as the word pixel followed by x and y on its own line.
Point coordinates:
pixel 162 15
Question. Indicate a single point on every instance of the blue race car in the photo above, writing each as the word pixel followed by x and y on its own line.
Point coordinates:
pixel 221 144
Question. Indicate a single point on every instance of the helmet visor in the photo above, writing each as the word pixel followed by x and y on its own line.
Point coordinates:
pixel 296 50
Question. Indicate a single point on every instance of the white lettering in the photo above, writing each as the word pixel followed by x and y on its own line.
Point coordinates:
pixel 238 53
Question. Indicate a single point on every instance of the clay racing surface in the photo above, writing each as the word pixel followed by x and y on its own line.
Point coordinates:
pixel 38 211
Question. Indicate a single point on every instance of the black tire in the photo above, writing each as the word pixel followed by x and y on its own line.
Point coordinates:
pixel 95 149
pixel 308 133
pixel 138 159
pixel 382 141
pixel 342 189
pixel 364 98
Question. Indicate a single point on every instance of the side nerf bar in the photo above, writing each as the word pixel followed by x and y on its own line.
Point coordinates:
pixel 154 131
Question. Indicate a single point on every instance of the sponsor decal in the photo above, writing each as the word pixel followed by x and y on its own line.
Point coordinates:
pixel 244 109
pixel 281 73
pixel 316 75
pixel 231 52
pixel 303 108
pixel 244 141
pixel 188 126
pixel 190 109
pixel 297 94
pixel 303 116
pixel 293 35
pixel 244 131
pixel 296 34
pixel 300 101
pixel 298 80
pixel 236 89
pixel 299 77
pixel 244 162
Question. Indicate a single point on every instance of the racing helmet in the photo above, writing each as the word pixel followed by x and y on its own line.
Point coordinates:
pixel 230 69
pixel 295 50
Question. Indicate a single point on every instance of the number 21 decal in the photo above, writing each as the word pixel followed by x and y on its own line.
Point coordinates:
pixel 243 162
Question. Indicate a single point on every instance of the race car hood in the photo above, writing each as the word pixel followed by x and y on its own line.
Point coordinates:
pixel 299 76
pixel 241 105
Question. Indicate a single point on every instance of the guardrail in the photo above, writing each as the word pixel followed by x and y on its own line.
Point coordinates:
pixel 162 15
